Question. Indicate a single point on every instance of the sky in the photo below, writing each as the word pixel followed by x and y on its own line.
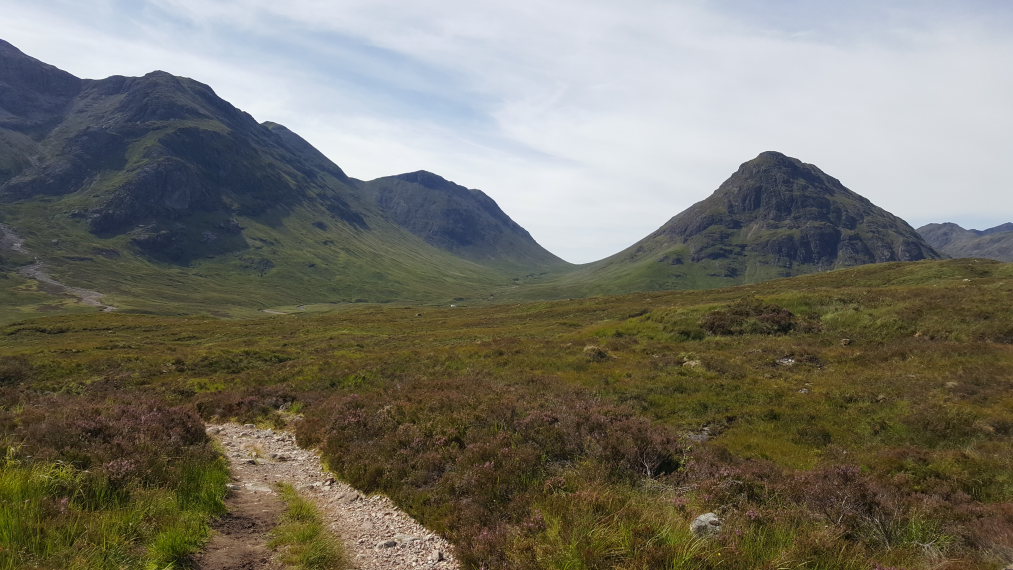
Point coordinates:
pixel 592 123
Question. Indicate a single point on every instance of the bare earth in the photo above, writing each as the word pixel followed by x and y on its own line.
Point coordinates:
pixel 240 539
pixel 377 535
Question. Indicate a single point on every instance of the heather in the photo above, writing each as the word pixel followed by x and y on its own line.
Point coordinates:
pixel 852 419
pixel 89 483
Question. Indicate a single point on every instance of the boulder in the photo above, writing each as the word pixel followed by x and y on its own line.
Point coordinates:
pixel 705 525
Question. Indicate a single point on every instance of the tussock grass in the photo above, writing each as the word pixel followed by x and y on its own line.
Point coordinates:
pixel 53 515
pixel 303 537
pixel 69 500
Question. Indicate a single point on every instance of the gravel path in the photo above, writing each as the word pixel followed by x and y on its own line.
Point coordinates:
pixel 37 271
pixel 377 535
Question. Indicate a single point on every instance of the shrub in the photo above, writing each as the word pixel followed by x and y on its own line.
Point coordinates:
pixel 14 370
pixel 473 459
pixel 245 406
pixel 749 315
pixel 94 484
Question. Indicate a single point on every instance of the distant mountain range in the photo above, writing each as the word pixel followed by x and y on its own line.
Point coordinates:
pixel 158 193
pixel 954 241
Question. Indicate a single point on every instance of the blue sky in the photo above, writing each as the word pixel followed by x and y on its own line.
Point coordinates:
pixel 592 123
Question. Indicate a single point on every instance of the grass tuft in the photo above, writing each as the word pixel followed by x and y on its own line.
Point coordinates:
pixel 302 536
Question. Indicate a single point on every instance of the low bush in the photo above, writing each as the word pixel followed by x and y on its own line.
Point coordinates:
pixel 749 315
pixel 92 484
pixel 474 460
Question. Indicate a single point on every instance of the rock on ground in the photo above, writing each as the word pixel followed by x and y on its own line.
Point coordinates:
pixel 706 524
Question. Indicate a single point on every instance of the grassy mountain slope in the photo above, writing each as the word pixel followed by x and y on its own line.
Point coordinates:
pixel 954 241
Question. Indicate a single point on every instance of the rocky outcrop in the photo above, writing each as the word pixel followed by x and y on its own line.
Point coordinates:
pixel 705 525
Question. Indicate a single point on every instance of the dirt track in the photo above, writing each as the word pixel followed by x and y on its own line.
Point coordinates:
pixel 377 535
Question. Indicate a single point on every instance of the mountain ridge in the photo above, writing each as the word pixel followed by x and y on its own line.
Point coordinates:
pixel 954 241
pixel 174 186
pixel 159 178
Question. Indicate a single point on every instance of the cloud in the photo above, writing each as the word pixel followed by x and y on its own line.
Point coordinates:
pixel 592 123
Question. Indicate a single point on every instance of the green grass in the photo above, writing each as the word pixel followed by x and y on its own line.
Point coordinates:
pixel 306 266
pixel 491 424
pixel 303 537
pixel 54 515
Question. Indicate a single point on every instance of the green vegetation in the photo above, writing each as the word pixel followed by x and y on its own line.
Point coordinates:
pixel 303 537
pixel 104 485
pixel 291 264
pixel 851 419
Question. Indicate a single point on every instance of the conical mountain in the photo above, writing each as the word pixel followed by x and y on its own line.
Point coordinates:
pixel 155 187
pixel 774 217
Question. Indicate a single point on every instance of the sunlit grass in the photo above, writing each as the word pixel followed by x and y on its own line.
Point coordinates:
pixel 303 537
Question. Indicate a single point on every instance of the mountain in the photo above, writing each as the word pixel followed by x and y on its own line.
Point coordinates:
pixel 154 186
pixel 463 221
pixel 774 217
pixel 955 241
pixel 164 197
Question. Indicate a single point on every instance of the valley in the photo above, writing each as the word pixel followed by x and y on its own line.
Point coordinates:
pixel 844 419
pixel 783 375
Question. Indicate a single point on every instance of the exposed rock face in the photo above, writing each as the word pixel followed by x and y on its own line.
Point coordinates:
pixel 955 241
pixel 164 160
pixel 793 213
pixel 32 93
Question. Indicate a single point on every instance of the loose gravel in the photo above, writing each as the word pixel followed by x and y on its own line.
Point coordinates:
pixel 377 535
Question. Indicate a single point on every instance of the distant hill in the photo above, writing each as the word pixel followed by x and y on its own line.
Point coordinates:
pixel 776 216
pixel 955 241
pixel 155 186
pixel 451 217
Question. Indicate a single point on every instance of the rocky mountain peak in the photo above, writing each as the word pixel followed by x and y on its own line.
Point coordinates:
pixel 779 186
pixel 1000 229
pixel 775 216
pixel 955 241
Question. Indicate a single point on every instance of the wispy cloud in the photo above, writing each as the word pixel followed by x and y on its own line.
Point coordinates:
pixel 592 123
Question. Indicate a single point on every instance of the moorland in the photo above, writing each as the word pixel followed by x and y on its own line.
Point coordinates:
pixel 858 418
